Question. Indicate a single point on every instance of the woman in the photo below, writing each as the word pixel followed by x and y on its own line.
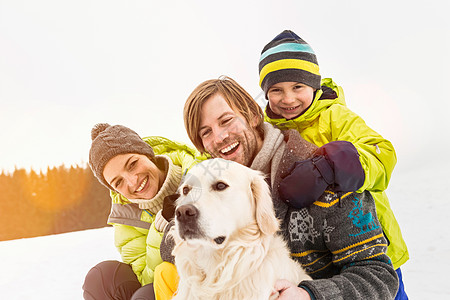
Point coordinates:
pixel 139 173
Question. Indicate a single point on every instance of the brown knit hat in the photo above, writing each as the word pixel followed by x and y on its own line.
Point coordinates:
pixel 109 141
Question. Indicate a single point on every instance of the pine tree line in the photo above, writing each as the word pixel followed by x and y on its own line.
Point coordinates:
pixel 61 200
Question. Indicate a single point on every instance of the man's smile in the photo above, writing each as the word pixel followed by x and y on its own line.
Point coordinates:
pixel 230 148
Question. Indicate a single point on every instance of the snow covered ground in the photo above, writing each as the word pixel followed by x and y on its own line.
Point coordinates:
pixel 53 267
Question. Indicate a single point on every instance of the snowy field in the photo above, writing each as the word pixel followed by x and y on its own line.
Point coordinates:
pixel 53 267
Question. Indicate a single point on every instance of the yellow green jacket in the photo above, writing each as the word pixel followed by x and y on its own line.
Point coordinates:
pixel 135 235
pixel 329 119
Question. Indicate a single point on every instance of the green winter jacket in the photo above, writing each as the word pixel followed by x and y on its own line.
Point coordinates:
pixel 329 119
pixel 135 235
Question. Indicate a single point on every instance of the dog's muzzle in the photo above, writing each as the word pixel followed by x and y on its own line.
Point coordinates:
pixel 187 218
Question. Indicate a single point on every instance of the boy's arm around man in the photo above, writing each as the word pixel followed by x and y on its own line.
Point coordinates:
pixel 338 239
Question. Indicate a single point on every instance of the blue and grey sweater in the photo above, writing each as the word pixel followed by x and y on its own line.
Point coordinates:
pixel 338 239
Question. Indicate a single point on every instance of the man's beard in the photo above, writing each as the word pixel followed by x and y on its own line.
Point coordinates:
pixel 247 147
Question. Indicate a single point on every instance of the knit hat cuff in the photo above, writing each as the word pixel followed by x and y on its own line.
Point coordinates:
pixel 290 75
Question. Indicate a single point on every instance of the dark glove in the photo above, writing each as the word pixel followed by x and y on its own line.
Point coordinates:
pixel 168 211
pixel 349 174
pixel 306 182
pixel 336 163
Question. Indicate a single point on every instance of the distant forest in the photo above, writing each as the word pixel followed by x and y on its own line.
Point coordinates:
pixel 62 199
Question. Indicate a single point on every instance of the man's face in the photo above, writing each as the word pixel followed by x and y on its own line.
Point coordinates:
pixel 226 134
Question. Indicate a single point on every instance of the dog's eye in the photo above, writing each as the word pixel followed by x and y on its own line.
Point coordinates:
pixel 220 186
pixel 186 190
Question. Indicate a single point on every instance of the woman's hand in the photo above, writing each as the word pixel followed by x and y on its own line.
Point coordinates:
pixel 288 291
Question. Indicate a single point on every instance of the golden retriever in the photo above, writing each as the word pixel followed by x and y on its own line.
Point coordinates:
pixel 226 246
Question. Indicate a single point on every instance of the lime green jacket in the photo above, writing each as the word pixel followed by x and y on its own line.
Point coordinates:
pixel 135 235
pixel 329 119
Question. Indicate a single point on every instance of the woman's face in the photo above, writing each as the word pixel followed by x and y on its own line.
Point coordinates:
pixel 134 176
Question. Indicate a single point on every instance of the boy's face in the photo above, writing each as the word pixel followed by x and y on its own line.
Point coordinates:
pixel 226 134
pixel 290 99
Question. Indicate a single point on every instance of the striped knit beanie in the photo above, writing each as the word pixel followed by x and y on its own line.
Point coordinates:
pixel 109 141
pixel 288 58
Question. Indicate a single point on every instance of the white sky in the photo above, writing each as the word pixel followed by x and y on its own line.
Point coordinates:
pixel 67 65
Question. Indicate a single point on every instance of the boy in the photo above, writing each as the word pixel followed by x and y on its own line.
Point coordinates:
pixel 300 100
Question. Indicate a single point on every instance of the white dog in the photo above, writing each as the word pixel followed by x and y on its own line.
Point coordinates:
pixel 226 245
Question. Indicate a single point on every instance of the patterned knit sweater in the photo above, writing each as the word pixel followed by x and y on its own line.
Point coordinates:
pixel 338 239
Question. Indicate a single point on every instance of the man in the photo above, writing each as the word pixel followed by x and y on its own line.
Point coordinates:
pixel 338 239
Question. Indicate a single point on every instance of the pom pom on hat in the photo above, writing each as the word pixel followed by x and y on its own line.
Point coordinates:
pixel 109 141
pixel 288 58
pixel 97 129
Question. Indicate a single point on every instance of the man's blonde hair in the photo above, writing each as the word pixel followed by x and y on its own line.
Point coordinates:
pixel 236 97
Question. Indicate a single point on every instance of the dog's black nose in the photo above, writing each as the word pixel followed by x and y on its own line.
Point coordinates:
pixel 186 213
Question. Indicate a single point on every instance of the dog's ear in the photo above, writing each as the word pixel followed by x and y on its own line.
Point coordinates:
pixel 265 215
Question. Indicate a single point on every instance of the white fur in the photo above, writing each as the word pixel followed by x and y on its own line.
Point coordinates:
pixel 252 257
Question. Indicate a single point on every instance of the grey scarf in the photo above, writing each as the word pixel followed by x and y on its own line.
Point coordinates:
pixel 268 158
